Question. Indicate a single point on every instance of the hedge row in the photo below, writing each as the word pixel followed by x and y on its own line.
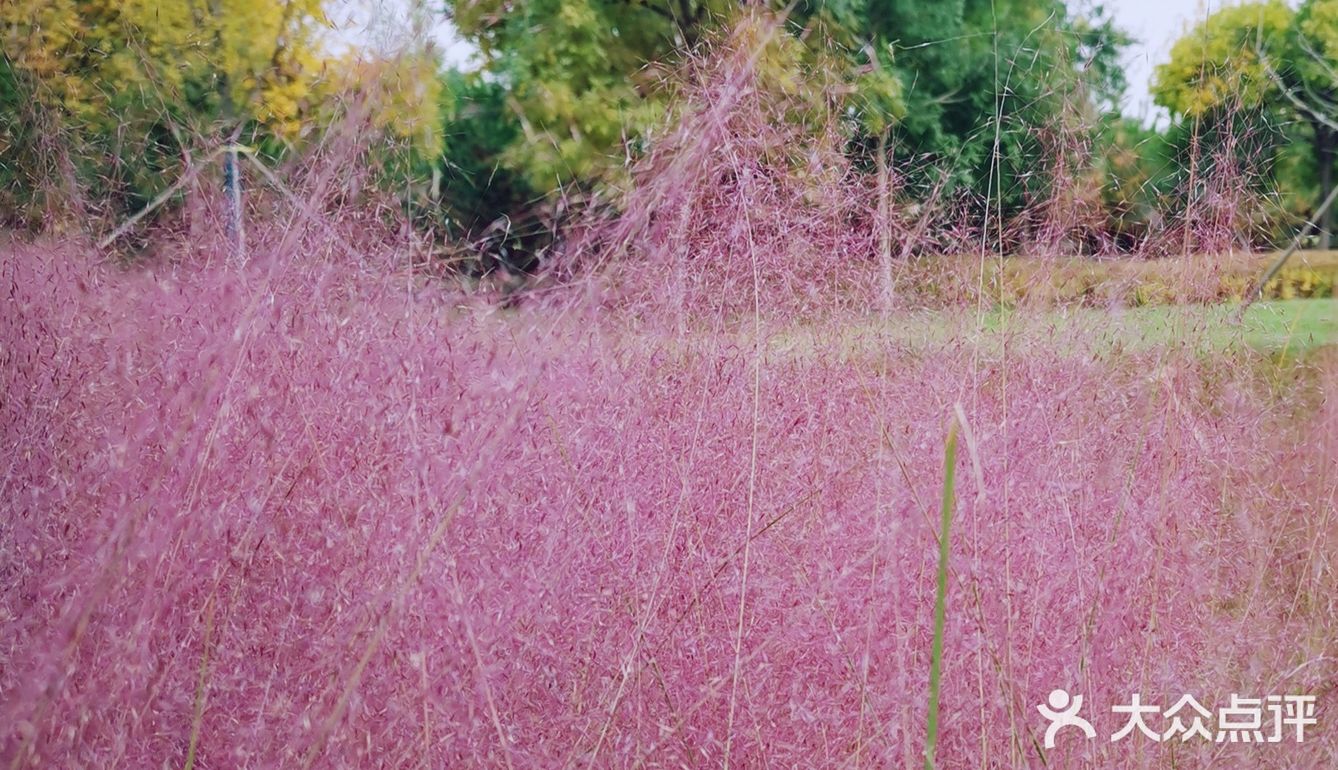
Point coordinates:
pixel 1015 281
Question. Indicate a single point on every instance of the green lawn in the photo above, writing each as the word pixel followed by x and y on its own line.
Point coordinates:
pixel 1286 327
pixel 1292 325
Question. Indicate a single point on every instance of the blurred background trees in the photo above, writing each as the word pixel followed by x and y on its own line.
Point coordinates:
pixel 1258 81
pixel 920 78
pixel 112 95
pixel 1006 110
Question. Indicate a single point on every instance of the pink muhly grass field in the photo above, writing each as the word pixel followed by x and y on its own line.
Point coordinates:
pixel 317 514
pixel 321 511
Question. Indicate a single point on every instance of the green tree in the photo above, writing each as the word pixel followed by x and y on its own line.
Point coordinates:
pixel 570 91
pixel 580 75
pixel 1269 71
pixel 478 127
pixel 588 79
pixel 1309 85
pixel 986 80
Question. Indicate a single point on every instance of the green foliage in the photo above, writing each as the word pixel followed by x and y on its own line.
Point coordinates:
pixel 948 503
pixel 1226 62
pixel 588 81
pixel 980 74
pixel 1311 71
pixel 1263 77
pixel 23 163
pixel 478 127
pixel 1136 170
pixel 481 198
pixel 131 81
pixel 576 74
pixel 570 92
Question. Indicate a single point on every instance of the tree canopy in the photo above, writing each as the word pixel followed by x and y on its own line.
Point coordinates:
pixel 587 79
pixel 1005 109
pixel 1268 69
pixel 941 83
pixel 133 78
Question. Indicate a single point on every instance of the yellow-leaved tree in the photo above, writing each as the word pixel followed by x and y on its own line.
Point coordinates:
pixel 1274 70
pixel 125 90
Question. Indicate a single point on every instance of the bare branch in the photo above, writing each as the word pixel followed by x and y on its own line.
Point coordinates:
pixel 1315 113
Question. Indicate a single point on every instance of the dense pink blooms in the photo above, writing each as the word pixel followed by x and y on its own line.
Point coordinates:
pixel 317 514
pixel 316 511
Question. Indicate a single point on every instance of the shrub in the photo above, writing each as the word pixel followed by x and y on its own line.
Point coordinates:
pixel 1011 281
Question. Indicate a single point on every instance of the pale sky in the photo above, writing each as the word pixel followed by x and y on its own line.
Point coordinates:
pixel 1155 25
pixel 389 24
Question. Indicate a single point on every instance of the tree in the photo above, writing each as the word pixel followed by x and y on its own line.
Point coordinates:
pixel 132 81
pixel 589 79
pixel 478 128
pixel 1262 66
pixel 570 92
pixel 1309 85
pixel 581 75
pixel 986 80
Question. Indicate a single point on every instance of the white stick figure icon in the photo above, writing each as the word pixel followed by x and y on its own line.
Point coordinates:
pixel 1063 712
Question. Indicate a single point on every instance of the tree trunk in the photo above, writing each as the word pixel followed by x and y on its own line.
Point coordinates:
pixel 1326 147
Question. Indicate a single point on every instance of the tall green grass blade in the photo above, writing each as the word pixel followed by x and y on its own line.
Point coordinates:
pixel 941 595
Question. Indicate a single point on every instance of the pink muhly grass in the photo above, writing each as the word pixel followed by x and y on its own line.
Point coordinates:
pixel 318 511
pixel 748 175
pixel 298 515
